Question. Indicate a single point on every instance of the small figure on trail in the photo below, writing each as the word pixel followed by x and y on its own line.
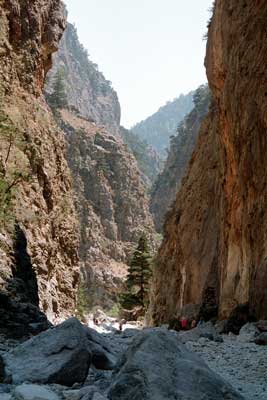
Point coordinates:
pixel 184 323
pixel 95 320
pixel 193 324
pixel 121 323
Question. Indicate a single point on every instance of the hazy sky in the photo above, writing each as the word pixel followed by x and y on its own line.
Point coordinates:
pixel 151 50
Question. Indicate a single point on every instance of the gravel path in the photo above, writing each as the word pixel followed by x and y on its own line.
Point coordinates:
pixel 244 365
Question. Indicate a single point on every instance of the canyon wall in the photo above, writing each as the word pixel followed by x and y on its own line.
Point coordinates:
pixel 87 89
pixel 38 239
pixel 214 248
pixel 164 190
pixel 109 194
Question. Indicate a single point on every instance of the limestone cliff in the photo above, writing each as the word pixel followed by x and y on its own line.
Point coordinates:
pixel 86 87
pixel 111 204
pixel 214 248
pixel 38 241
pixel 164 190
pixel 110 197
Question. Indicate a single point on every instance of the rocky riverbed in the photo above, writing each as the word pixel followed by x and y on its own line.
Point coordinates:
pixel 74 362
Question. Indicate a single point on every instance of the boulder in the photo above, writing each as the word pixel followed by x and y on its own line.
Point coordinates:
pixel 248 333
pixel 238 317
pixel 59 355
pixel 205 330
pixel 158 367
pixel 102 356
pixel 262 326
pixel 261 339
pixel 34 392
pixel 5 396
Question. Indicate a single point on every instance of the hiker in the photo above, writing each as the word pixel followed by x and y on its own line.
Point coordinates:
pixel 184 323
pixel 193 324
pixel 121 323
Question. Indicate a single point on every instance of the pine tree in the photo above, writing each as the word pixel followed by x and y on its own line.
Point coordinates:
pixel 58 99
pixel 139 274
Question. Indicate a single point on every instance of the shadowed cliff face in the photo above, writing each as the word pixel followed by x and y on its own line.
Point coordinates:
pixel 182 146
pixel 215 241
pixel 43 252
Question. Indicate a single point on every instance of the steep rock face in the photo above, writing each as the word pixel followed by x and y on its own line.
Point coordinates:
pixel 157 129
pixel 38 239
pixel 181 148
pixel 214 249
pixel 146 156
pixel 86 88
pixel 111 204
pixel 109 194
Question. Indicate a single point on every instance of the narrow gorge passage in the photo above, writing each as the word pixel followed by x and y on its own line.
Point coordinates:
pixel 133 241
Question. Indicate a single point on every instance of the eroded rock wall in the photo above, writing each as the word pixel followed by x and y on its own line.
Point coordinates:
pixel 109 194
pixel 87 89
pixel 111 204
pixel 182 145
pixel 39 260
pixel 214 248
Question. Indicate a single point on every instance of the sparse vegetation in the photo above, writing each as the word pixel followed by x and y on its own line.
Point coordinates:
pixel 58 99
pixel 14 167
pixel 138 279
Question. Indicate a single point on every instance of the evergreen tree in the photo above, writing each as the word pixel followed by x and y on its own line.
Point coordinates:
pixel 139 274
pixel 58 99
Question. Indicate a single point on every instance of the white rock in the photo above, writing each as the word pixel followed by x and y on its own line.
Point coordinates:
pixel 72 394
pixel 98 396
pixel 34 392
pixel 5 396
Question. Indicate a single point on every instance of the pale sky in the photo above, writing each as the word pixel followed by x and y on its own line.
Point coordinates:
pixel 151 50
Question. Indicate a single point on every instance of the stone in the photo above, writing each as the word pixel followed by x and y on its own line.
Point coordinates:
pixel 5 396
pixel 60 355
pixel 205 330
pixel 102 356
pixel 262 326
pixel 34 392
pixel 248 332
pixel 157 366
pixel 98 396
pixel 261 339
pixel 72 394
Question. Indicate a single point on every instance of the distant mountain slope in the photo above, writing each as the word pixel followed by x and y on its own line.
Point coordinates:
pixel 157 129
pixel 181 148
pixel 147 158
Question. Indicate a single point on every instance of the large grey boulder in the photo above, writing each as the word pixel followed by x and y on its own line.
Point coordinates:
pixel 60 355
pixel 102 355
pixel 158 367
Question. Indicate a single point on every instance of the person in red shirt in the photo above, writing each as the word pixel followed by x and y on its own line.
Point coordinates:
pixel 183 323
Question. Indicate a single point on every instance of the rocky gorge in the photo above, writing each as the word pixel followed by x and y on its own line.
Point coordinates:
pixel 73 204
